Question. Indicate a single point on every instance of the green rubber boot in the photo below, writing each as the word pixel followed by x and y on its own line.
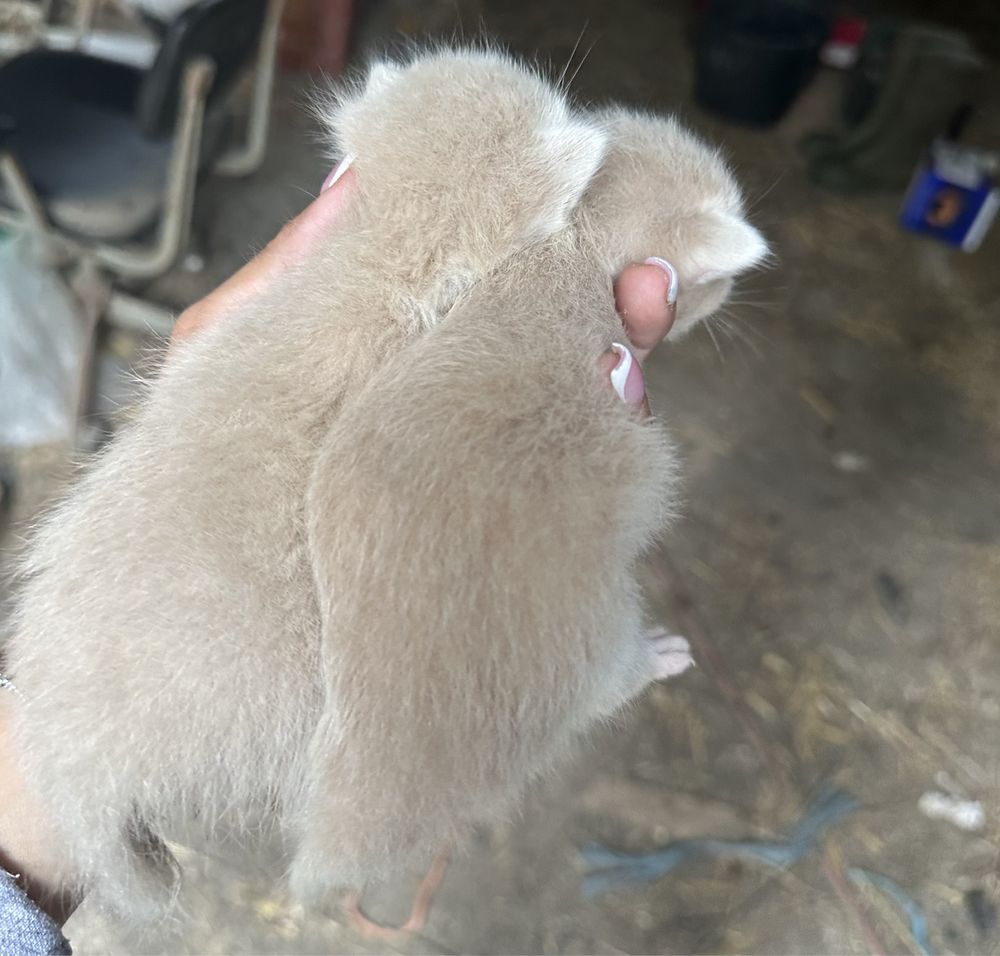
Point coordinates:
pixel 931 75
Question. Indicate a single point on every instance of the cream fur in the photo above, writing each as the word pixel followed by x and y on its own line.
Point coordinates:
pixel 364 564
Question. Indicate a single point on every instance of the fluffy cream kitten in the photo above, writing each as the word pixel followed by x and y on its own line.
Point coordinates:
pixel 363 566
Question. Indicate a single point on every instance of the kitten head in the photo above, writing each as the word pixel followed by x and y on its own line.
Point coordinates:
pixel 663 192
pixel 463 157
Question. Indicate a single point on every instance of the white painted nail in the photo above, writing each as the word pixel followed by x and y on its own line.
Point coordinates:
pixel 341 168
pixel 626 376
pixel 671 275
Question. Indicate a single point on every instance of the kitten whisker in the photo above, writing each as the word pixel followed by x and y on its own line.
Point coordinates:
pixel 746 327
pixel 562 82
pixel 715 341
pixel 757 200
pixel 301 189
pixel 757 303
pixel 734 331
pixel 459 25
pixel 579 67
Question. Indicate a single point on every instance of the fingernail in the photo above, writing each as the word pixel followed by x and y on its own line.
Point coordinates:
pixel 626 376
pixel 341 168
pixel 671 275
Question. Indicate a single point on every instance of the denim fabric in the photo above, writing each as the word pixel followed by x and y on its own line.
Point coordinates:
pixel 24 929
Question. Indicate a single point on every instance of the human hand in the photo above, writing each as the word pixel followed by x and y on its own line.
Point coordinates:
pixel 645 293
pixel 28 848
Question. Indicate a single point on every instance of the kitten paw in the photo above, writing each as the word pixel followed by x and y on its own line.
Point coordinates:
pixel 673 655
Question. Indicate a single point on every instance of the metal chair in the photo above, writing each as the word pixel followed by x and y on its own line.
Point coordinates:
pixel 99 160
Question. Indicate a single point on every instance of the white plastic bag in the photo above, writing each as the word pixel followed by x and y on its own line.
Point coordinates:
pixel 41 349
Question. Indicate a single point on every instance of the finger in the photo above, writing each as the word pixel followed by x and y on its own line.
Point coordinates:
pixel 646 298
pixel 292 244
pixel 621 370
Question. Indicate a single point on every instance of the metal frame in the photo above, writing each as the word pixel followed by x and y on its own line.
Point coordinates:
pixel 127 262
pixel 173 232
pixel 247 158
pixel 93 266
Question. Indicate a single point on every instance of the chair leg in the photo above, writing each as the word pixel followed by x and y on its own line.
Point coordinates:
pixel 183 174
pixel 247 157
pixel 83 19
pixel 138 315
pixel 91 291
pixel 98 302
pixel 32 216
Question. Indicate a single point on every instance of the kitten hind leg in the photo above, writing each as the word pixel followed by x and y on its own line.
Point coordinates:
pixel 418 912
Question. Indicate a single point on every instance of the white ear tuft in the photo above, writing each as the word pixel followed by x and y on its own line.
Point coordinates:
pixel 381 75
pixel 572 153
pixel 731 246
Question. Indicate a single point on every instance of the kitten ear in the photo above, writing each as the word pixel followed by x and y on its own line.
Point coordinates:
pixel 381 75
pixel 341 106
pixel 731 246
pixel 571 153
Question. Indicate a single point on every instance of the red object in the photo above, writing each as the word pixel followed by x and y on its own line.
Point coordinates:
pixel 314 36
pixel 848 30
pixel 843 46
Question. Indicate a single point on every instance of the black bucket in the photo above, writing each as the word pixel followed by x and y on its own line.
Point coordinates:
pixel 753 58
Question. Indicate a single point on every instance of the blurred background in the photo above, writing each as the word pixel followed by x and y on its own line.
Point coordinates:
pixel 826 780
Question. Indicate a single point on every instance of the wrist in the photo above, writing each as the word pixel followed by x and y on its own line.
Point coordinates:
pixel 27 846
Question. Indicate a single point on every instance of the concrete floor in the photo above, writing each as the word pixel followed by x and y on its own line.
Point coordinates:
pixel 836 569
